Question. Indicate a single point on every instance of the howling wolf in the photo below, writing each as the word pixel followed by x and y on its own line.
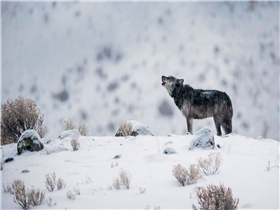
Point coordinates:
pixel 200 104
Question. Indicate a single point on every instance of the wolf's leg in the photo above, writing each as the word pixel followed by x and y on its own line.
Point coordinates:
pixel 227 126
pixel 190 125
pixel 218 126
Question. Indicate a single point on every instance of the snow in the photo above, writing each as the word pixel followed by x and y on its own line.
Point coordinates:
pixel 68 133
pixel 243 170
pixel 140 128
pixel 203 138
pixel 30 134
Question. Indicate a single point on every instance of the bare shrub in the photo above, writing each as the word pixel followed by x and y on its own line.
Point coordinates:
pixel 125 178
pixel 71 195
pixel 69 124
pixel 142 190
pixel 50 182
pixel 210 165
pixel 60 183
pixel 20 115
pixel 185 176
pixel 125 129
pixel 88 180
pixel 74 143
pixel 7 188
pixel 77 189
pixel 269 168
pixel 50 202
pixel 35 196
pixel 21 196
pixel 116 183
pixel 83 128
pixel 215 197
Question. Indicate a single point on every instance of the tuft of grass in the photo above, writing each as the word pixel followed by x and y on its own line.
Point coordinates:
pixel 210 165
pixel 75 143
pixel 185 176
pixel 125 129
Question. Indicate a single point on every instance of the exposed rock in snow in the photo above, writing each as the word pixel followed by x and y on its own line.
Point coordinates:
pixel 8 160
pixel 138 129
pixel 69 133
pixel 29 140
pixel 203 138
pixel 259 138
pixel 118 156
pixel 169 151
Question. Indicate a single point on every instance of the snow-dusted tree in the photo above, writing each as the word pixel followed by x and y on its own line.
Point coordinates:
pixel 20 115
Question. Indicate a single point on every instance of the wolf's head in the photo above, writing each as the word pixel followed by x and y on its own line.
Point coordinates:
pixel 172 84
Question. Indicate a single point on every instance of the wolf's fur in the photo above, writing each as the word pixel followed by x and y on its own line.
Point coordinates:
pixel 200 104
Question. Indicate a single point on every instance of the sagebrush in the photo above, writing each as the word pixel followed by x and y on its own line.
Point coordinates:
pixel 123 179
pixel 185 176
pixel 70 125
pixel 60 183
pixel 215 198
pixel 210 165
pixel 50 182
pixel 125 129
pixel 19 115
pixel 75 143
pixel 71 195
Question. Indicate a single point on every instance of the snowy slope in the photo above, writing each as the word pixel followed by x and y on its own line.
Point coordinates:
pixel 103 62
pixel 243 170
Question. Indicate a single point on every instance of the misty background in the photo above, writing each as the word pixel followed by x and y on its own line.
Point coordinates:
pixel 102 62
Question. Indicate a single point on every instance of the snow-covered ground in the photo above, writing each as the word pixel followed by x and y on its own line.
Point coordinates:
pixel 103 61
pixel 243 170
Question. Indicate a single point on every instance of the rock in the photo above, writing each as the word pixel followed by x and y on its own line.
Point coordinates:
pixel 69 133
pixel 9 160
pixel 204 138
pixel 30 141
pixel 118 156
pixel 169 151
pixel 25 171
pixel 137 129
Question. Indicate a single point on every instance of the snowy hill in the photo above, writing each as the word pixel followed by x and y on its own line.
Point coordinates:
pixel 93 167
pixel 103 62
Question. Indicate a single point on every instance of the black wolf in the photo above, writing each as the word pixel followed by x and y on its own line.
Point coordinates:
pixel 200 104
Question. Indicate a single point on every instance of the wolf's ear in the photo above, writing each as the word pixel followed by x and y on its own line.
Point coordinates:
pixel 180 81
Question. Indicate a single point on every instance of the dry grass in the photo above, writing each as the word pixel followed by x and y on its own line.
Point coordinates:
pixel 60 183
pixel 69 124
pixel 215 197
pixel 71 195
pixel 35 196
pixel 185 176
pixel 125 178
pixel 20 115
pixel 50 182
pixel 83 128
pixel 125 129
pixel 210 165
pixel 50 202
pixel 75 143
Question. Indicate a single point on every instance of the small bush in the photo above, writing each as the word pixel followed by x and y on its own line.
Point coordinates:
pixel 211 164
pixel 35 196
pixel 116 183
pixel 50 182
pixel 20 115
pixel 50 202
pixel 125 129
pixel 7 188
pixel 60 183
pixel 69 124
pixel 125 178
pixel 83 128
pixel 215 197
pixel 74 143
pixel 21 196
pixel 186 177
pixel 142 190
pixel 77 189
pixel 71 195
